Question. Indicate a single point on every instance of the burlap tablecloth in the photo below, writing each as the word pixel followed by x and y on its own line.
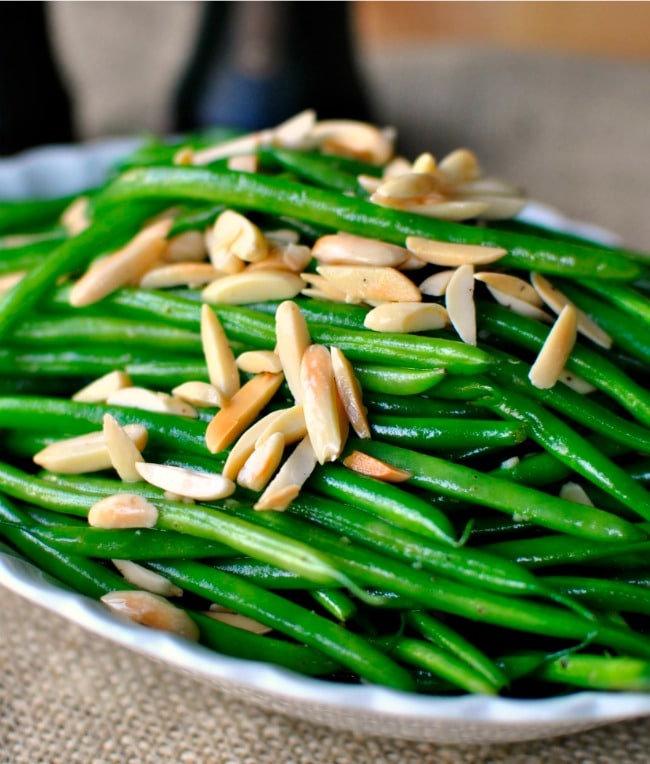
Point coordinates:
pixel 67 697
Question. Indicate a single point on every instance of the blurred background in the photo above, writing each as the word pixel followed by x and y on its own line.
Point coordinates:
pixel 553 95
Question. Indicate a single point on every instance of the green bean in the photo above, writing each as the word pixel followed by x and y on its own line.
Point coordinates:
pixel 603 595
pixel 335 602
pixel 306 627
pixel 521 502
pixel 598 672
pixel 398 380
pixel 26 256
pixel 339 212
pixel 626 298
pixel 310 167
pixel 416 405
pixel 264 574
pixel 17 217
pixel 195 219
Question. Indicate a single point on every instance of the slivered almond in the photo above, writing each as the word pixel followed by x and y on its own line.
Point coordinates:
pixel 239 236
pixel 320 405
pixel 262 463
pixel 406 317
pixel 412 263
pixel 511 285
pixel 151 400
pixel 184 156
pixel 359 140
pixel 325 289
pixel 557 301
pixel 147 579
pixel 200 394
pixel 521 307
pixel 84 453
pixel 257 361
pixel 398 165
pixel 280 237
pixel 290 423
pixel 576 493
pixel 123 452
pixel 371 282
pixel 348 249
pixel 412 185
pixel 185 247
pixel 425 163
pixel 239 621
pixel 246 442
pixel 244 163
pixel 219 358
pixel 74 217
pixel 555 351
pixel 450 255
pixel 253 286
pixel 99 389
pixel 290 257
pixel 123 510
pixel 153 611
pixel 245 144
pixel 225 261
pixel 459 301
pixel 576 382
pixel 241 410
pixel 286 485
pixel 295 131
pixel 192 484
pixel 179 274
pixel 292 338
pixel 125 266
pixel 436 284
pixel 369 183
pixel 433 206
pixel 498 207
pixel 488 186
pixel 350 394
pixel 365 464
pixel 460 166
pixel 9 280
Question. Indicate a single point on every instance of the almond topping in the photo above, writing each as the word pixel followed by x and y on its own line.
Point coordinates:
pixel 460 166
pixel 123 510
pixel 555 351
pixel 576 493
pixel 262 463
pixel 125 266
pixel 179 274
pixel 289 422
pixel 191 484
pixel 289 257
pixel 511 285
pixel 292 336
pixel 436 284
pixel 358 140
pixel 151 400
pixel 74 217
pixel 253 286
pixel 239 236
pixel 147 579
pixel 244 163
pixel 84 453
pixel 153 611
pixel 450 255
pixel 320 404
pixel 347 249
pixel 219 358
pixel 200 394
pixel 239 621
pixel 434 205
pixel 349 391
pixel 257 361
pixel 406 317
pixel 372 282
pixel 123 452
pixel 459 301
pixel 99 389
pixel 245 445
pixel 324 289
pixel 425 163
pixel 9 280
pixel 285 486
pixel 241 410
pixel 365 464
pixel 185 247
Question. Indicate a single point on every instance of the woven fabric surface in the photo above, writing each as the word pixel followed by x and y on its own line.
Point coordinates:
pixel 67 697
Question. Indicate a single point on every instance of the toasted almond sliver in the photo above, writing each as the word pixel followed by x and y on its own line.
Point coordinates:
pixel 576 382
pixel 179 274
pixel 74 217
pixel 84 453
pixel 184 156
pixel 460 166
pixel 123 510
pixel 412 185
pixel 369 183
pixel 290 257
pixel 434 206
pixel 239 236
pixel 262 463
pixel 290 423
pixel 219 358
pixel 576 493
pixel 280 237
pixel 123 452
pixel 436 284
pixel 245 144
pixel 511 285
pixel 292 338
pixel 153 611
pixel 151 400
pixel 320 404
pixel 557 301
pixel 450 255
pixel 372 282
pixel 285 486
pixel 245 444
pixel 425 163
pixel 359 140
pixel 406 317
pixel 348 249
pixel 365 464
pixel 241 410
pixel 257 361
pixel 9 280
pixel 224 261
pixel 147 579
pixel 323 288
pixel 125 266
pixel 499 207
pixel 186 247
pixel 253 286
pixel 555 351
pixel 192 484
pixel 295 131
pixel 99 389
pixel 239 621
pixel 459 301
pixel 200 394
pixel 521 307
pixel 350 393
pixel 244 163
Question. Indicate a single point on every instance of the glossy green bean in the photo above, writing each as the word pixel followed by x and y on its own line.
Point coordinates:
pixel 603 594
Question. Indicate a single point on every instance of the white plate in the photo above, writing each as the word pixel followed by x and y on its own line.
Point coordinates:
pixel 361 709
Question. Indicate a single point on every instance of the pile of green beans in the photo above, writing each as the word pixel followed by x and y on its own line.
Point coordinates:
pixel 473 575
